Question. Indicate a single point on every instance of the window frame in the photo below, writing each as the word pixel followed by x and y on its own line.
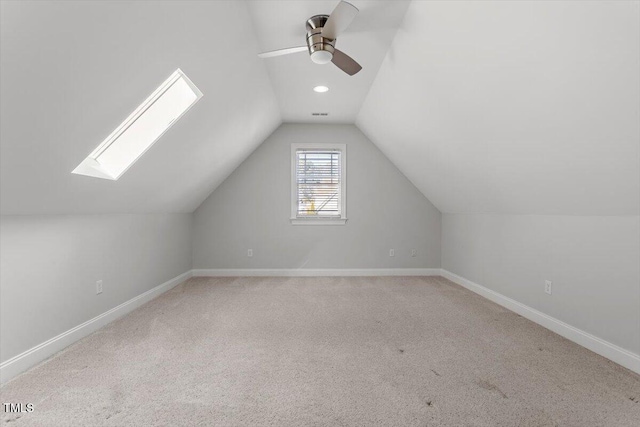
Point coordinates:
pixel 319 220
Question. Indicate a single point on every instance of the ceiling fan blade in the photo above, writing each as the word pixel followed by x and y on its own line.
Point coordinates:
pixel 280 52
pixel 339 20
pixel 345 62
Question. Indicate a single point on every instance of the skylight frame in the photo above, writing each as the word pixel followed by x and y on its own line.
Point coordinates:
pixel 90 166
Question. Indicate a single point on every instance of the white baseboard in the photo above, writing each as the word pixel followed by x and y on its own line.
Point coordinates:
pixel 316 272
pixel 604 348
pixel 41 352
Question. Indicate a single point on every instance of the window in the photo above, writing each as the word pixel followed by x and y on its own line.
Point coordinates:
pixel 141 129
pixel 318 184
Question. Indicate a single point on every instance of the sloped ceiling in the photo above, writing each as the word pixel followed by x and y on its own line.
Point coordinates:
pixel 73 71
pixel 503 107
pixel 514 107
pixel 281 23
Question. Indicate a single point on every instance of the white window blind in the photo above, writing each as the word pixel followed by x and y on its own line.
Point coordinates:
pixel 318 182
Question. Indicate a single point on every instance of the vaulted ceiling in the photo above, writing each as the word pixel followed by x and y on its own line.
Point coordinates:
pixel 279 24
pixel 73 71
pixel 514 107
pixel 503 107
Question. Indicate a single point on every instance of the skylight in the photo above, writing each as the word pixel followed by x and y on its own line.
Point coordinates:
pixel 141 129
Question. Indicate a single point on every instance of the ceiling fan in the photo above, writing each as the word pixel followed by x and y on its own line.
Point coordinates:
pixel 322 32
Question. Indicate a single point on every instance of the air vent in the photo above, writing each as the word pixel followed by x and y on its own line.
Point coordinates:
pixel 319 114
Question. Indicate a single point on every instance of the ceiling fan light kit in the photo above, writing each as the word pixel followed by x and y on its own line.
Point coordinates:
pixel 320 48
pixel 322 33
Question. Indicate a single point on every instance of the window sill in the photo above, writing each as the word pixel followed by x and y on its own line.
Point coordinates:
pixel 318 221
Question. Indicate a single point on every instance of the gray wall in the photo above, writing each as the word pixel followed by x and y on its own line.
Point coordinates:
pixel 593 263
pixel 49 266
pixel 251 209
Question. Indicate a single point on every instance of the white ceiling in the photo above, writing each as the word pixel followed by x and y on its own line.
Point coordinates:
pixel 73 71
pixel 514 107
pixel 503 107
pixel 280 24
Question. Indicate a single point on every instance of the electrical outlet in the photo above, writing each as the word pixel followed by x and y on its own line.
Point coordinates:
pixel 249 253
pixel 98 287
pixel 414 253
pixel 392 252
pixel 547 286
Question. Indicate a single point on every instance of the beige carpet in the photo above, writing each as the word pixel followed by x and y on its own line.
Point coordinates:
pixel 325 351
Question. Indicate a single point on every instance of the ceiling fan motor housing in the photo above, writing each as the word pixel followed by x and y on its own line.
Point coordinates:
pixel 320 48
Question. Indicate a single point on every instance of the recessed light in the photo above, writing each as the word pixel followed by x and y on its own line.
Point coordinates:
pixel 320 89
